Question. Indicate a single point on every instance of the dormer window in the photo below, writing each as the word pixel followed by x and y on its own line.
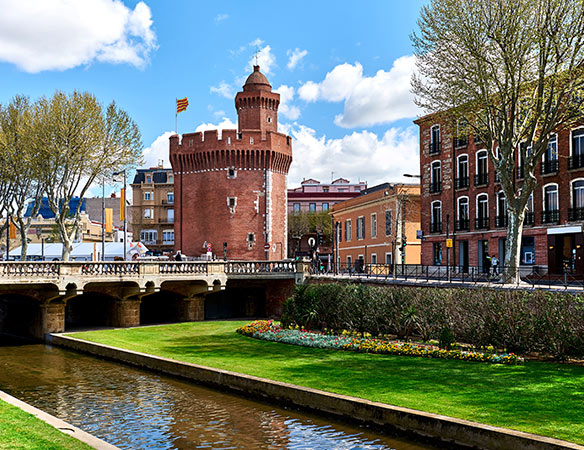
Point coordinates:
pixel 148 179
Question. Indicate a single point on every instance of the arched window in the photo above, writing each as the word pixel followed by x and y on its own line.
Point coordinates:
pixel 482 175
pixel 434 140
pixel 462 172
pixel 551 209
pixel 577 210
pixel 501 219
pixel 462 222
pixel 577 143
pixel 482 219
pixel 436 224
pixel 550 158
pixel 435 177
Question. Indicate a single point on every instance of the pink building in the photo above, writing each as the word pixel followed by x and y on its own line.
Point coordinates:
pixel 315 197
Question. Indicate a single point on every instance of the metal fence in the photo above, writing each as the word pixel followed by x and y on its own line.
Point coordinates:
pixel 534 276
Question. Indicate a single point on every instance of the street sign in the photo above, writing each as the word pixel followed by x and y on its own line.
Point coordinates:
pixel 266 246
pixel 449 243
pixel 311 241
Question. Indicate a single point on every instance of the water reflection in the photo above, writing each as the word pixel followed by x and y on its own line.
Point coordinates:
pixel 134 409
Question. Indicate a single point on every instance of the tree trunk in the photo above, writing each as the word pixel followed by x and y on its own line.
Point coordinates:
pixel 67 248
pixel 513 247
pixel 23 245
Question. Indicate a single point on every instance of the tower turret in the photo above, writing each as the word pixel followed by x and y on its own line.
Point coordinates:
pixel 257 105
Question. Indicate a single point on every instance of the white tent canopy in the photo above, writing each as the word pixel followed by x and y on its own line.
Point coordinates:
pixel 82 251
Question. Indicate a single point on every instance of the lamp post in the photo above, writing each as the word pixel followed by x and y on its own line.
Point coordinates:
pixel 123 207
pixel 39 233
pixel 103 219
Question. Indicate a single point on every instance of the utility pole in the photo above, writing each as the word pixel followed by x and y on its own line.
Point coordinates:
pixel 103 219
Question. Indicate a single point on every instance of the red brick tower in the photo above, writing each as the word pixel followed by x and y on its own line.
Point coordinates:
pixel 232 189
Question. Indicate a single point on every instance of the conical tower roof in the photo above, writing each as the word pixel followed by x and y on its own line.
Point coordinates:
pixel 257 81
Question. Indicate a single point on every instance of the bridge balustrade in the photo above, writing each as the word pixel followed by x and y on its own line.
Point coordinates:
pixel 182 267
pixel 24 269
pixel 259 267
pixel 110 268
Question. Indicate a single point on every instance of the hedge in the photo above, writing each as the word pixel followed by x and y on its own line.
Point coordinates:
pixel 519 321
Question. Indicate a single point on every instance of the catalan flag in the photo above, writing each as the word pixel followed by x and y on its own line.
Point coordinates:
pixel 181 104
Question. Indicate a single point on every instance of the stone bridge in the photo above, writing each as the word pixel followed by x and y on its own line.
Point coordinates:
pixel 42 297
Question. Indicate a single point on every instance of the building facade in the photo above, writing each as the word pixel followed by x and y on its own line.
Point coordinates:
pixel 379 226
pixel 314 196
pixel 461 197
pixel 152 212
pixel 230 189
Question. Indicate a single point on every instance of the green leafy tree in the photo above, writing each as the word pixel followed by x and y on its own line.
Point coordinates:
pixel 81 141
pixel 514 70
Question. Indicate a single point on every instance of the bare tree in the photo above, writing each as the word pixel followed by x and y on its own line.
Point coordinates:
pixel 514 69
pixel 21 164
pixel 80 141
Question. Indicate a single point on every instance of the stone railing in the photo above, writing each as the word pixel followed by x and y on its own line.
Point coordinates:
pixel 259 267
pixel 29 269
pixel 183 267
pixel 110 268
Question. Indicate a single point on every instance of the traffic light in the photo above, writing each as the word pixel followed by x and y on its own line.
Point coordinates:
pixel 318 238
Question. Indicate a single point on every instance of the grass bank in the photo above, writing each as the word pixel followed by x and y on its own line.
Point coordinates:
pixel 22 431
pixel 540 398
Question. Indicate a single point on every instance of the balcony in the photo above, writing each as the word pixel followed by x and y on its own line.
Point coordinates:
pixel 576 214
pixel 167 242
pixel 434 148
pixel 482 179
pixel 529 219
pixel 167 202
pixel 461 182
pixel 576 162
pixel 461 142
pixel 482 223
pixel 462 225
pixel 436 227
pixel 550 216
pixel 548 167
pixel 166 220
pixel 501 221
pixel 434 187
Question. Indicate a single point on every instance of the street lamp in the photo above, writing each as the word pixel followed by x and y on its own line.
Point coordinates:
pixel 39 233
pixel 123 206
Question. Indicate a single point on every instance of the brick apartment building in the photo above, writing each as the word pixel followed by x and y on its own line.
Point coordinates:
pixel 231 188
pixel 460 191
pixel 370 227
pixel 314 196
pixel 152 217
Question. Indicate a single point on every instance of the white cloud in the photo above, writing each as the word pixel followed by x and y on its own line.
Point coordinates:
pixel 264 57
pixel 224 89
pixel 221 17
pixel 158 151
pixel 295 56
pixel 286 108
pixel 361 155
pixel 225 124
pixel 383 98
pixel 62 34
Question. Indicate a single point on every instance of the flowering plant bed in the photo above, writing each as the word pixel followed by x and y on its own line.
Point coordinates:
pixel 269 331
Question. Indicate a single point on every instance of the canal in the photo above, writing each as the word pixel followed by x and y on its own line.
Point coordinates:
pixel 136 409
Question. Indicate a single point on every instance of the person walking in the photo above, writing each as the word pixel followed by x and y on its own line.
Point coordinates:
pixel 494 265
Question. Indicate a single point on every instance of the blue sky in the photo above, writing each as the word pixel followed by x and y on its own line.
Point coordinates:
pixel 342 69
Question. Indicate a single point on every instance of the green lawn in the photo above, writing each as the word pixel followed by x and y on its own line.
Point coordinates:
pixel 540 398
pixel 20 430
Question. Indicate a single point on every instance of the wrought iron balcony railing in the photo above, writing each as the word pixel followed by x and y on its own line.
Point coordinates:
pixel 462 225
pixel 461 182
pixel 576 213
pixel 434 148
pixel 482 179
pixel 576 161
pixel 436 227
pixel 501 221
pixel 482 223
pixel 550 216
pixel 548 167
pixel 529 219
pixel 435 187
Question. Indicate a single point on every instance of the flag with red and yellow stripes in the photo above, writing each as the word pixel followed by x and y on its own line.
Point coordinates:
pixel 181 104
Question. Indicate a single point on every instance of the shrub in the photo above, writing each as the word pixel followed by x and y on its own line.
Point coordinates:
pixel 521 321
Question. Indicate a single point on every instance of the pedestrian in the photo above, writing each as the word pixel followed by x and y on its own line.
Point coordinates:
pixel 487 267
pixel 178 256
pixel 494 265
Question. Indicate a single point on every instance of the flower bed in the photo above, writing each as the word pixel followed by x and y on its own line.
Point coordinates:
pixel 269 331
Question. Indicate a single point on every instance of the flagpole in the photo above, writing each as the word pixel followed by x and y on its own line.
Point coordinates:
pixel 176 115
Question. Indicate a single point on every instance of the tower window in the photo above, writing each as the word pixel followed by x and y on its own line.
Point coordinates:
pixel 231 202
pixel 231 173
pixel 228 140
pixel 251 140
pixel 269 120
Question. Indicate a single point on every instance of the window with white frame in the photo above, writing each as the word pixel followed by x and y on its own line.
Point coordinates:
pixel 482 206
pixel 170 198
pixel 482 163
pixel 578 194
pixel 348 230
pixel 388 222
pixel 435 176
pixel 170 215
pixel 168 236
pixel 577 159
pixel 373 258
pixel 147 213
pixel 374 225
pixel 147 195
pixel 436 224
pixel 388 258
pixel 148 236
pixel 325 206
pixel 550 195
pixel 360 227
